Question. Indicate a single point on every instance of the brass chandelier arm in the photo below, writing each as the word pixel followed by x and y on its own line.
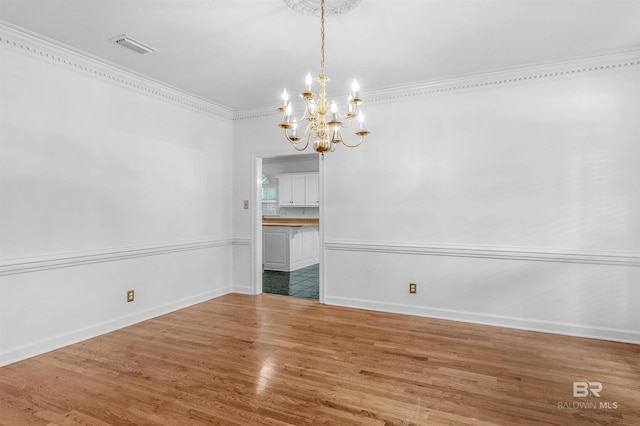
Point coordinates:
pixel 348 124
pixel 303 148
pixel 307 136
pixel 356 144
pixel 349 115
pixel 306 114
pixel 338 138
pixel 295 143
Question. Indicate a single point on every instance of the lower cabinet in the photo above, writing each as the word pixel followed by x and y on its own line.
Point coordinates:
pixel 288 248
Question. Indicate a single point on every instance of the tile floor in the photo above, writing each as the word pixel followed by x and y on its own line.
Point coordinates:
pixel 301 283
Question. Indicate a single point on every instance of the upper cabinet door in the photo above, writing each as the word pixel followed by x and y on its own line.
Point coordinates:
pixel 298 190
pixel 284 191
pixel 312 190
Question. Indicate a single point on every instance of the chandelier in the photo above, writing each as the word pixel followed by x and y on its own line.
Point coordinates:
pixel 325 122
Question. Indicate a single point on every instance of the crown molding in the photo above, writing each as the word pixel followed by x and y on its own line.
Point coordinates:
pixel 509 76
pixel 261 112
pixel 487 80
pixel 55 52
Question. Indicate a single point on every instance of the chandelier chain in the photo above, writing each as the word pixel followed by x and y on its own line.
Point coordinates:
pixel 322 38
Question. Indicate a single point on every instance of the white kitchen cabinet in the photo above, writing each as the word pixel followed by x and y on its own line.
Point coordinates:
pixel 289 248
pixel 275 248
pixel 298 190
pixel 291 190
pixel 312 190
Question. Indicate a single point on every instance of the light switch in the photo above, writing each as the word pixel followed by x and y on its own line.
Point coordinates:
pixel 246 204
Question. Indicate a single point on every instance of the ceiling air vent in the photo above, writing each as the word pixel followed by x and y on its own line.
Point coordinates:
pixel 135 45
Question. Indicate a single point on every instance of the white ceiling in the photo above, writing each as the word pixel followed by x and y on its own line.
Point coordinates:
pixel 242 53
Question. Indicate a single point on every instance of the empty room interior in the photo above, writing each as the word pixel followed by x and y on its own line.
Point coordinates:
pixel 340 212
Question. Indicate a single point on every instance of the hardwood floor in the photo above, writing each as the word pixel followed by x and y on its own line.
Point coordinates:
pixel 269 359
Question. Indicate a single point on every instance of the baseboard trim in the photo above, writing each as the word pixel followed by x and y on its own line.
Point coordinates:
pixel 75 336
pixel 242 289
pixel 601 333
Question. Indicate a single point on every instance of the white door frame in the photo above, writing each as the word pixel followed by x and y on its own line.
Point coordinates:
pixel 256 219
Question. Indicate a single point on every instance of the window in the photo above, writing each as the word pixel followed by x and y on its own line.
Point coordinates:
pixel 269 193
pixel 269 197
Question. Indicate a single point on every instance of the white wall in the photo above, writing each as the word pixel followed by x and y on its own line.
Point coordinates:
pixel 307 163
pixel 108 183
pixel 510 199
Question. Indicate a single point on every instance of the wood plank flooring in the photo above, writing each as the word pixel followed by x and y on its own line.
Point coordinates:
pixel 276 360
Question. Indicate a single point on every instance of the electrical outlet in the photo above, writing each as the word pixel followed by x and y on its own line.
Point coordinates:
pixel 130 296
pixel 412 288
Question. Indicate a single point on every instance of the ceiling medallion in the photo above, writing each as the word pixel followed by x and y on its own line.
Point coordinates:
pixel 313 7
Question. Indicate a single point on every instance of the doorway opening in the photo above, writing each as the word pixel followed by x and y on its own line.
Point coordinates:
pixel 287 236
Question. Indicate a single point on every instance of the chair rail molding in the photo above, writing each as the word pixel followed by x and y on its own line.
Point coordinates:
pixel 242 240
pixel 533 254
pixel 12 266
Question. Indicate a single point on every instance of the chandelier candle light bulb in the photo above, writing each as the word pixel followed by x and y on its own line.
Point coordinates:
pixel 309 80
pixel 326 135
pixel 287 117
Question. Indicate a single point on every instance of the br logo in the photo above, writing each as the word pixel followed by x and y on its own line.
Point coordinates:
pixel 583 389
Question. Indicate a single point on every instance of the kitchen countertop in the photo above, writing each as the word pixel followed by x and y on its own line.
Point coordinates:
pixel 290 221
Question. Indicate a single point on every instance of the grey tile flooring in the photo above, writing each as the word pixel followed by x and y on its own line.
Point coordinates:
pixel 303 283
